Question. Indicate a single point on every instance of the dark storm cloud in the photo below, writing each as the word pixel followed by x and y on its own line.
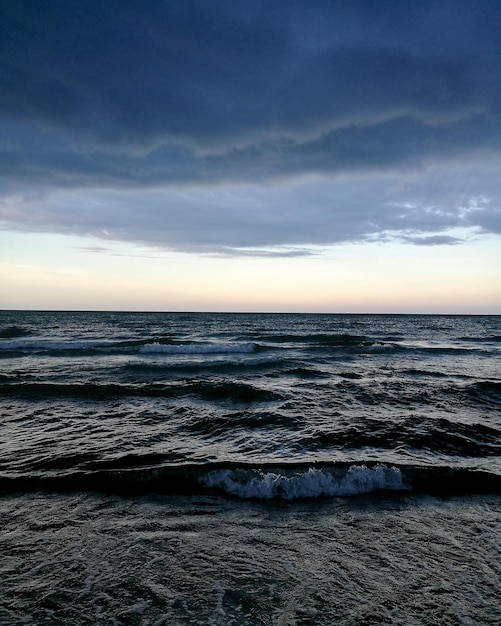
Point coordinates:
pixel 160 94
pixel 221 75
pixel 403 141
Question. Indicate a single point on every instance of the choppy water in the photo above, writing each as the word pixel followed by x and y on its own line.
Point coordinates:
pixel 250 469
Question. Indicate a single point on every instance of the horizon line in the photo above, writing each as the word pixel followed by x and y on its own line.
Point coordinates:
pixel 230 312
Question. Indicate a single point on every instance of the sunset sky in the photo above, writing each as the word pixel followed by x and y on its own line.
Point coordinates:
pixel 251 155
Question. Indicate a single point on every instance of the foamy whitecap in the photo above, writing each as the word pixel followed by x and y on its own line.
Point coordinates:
pixel 198 348
pixel 311 483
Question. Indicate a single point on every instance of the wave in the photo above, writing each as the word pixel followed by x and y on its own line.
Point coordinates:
pixel 289 481
pixel 10 332
pixel 47 345
pixel 145 346
pixel 416 433
pixel 227 390
pixel 429 373
pixel 214 391
pixel 382 346
pixel 489 386
pixel 361 344
pixel 310 483
pixel 486 391
pixel 231 365
pixel 488 339
pixel 323 339
pixel 198 348
pixel 306 372
pixel 349 344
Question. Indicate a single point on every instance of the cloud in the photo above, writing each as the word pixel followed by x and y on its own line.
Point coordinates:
pixel 207 77
pixel 433 240
pixel 398 143
pixel 241 127
pixel 279 219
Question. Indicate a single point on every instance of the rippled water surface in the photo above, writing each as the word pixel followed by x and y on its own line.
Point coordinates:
pixel 87 559
pixel 249 469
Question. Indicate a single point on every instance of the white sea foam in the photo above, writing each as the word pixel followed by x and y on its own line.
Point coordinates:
pixel 198 348
pixel 311 483
pixel 383 347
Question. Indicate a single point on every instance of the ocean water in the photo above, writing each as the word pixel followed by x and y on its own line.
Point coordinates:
pixel 249 469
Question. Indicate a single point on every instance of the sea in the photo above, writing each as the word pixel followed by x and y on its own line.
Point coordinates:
pixel 249 469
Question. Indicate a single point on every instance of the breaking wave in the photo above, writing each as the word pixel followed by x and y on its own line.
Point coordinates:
pixel 289 482
pixel 199 348
pixel 310 483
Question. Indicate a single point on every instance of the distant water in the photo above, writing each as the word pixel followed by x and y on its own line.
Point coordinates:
pixel 249 469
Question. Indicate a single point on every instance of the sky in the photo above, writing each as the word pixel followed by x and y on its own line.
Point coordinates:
pixel 265 155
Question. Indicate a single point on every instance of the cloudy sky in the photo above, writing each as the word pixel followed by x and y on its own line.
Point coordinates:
pixel 273 155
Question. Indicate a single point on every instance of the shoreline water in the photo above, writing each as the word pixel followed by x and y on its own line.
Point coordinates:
pixel 88 559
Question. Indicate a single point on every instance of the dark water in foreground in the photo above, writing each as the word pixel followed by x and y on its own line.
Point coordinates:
pixel 249 469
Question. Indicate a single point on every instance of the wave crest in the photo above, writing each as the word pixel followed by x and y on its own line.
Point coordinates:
pixel 311 483
pixel 198 348
pixel 152 473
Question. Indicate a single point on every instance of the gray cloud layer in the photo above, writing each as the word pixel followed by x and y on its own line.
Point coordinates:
pixel 273 219
pixel 157 95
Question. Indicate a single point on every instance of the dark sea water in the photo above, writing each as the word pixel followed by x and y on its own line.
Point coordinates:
pixel 249 469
